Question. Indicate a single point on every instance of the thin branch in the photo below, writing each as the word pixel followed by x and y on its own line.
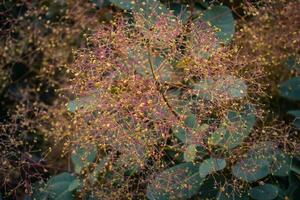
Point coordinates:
pixel 160 90
pixel 159 87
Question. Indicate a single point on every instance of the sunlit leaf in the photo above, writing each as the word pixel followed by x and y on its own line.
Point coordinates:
pixel 87 103
pixel 211 165
pixel 190 153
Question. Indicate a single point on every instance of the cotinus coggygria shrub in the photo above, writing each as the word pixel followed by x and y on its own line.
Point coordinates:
pixel 161 106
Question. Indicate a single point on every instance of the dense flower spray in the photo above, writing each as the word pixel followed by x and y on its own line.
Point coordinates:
pixel 154 96
pixel 138 82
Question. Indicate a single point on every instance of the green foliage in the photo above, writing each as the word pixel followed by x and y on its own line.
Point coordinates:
pixel 211 165
pixel 204 88
pixel 55 10
pixel 251 169
pixel 296 114
pixel 221 18
pixel 87 103
pixel 180 10
pixel 210 187
pixel 215 187
pixel 190 153
pixel 234 129
pixel 264 192
pixel 180 182
pixel 292 64
pixel 222 28
pixel 59 187
pixel 261 161
pixel 99 168
pixel 293 190
pixel 126 4
pixel 281 165
pixel 164 74
pixel 194 152
pixel 230 194
pixel 186 179
pixel 226 86
pixel 148 8
pixel 296 164
pixel 190 123
pixel 38 191
pixel 82 157
pixel 180 134
pixel 290 89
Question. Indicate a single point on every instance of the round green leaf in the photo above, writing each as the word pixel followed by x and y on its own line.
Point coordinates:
pixel 62 177
pixel 264 192
pixel 60 187
pixel 188 137
pixel 100 166
pixel 124 4
pixel 257 163
pixel 180 134
pixel 39 191
pixel 221 18
pixel 290 89
pixel 87 103
pixel 251 169
pixel 82 157
pixel 225 86
pixel 281 165
pixel 235 87
pixel 191 121
pixel 234 129
pixel 204 88
pixel 190 153
pixel 179 182
pixel 210 166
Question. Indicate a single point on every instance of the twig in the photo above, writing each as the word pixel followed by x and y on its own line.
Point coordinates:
pixel 159 87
